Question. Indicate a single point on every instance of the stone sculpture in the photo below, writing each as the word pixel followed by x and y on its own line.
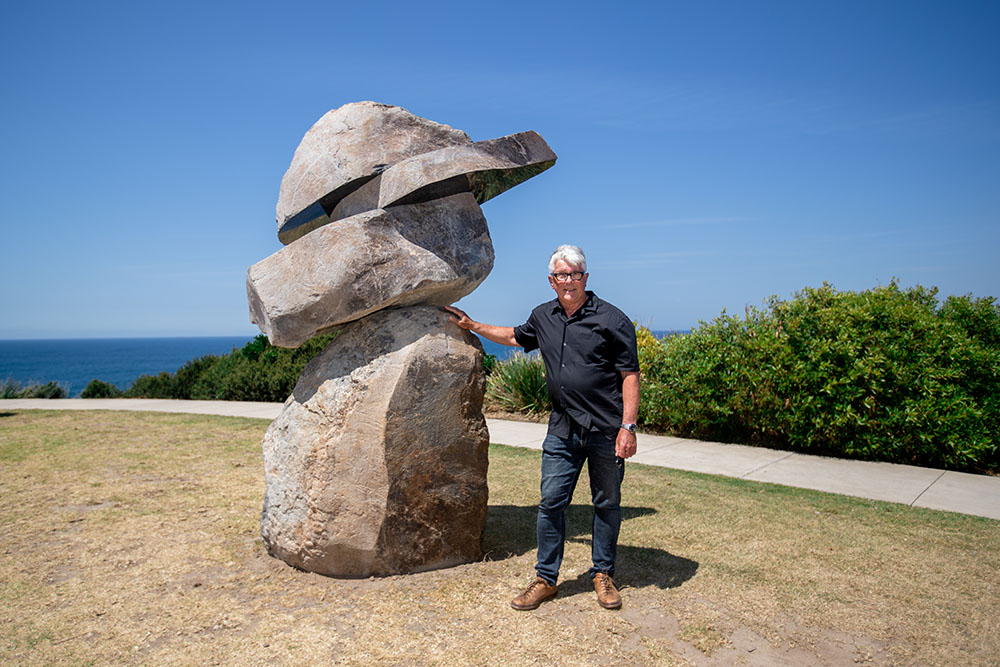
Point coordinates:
pixel 377 463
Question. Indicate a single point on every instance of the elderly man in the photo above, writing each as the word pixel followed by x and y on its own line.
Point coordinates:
pixel 592 374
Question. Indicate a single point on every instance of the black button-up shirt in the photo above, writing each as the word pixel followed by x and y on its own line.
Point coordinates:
pixel 584 357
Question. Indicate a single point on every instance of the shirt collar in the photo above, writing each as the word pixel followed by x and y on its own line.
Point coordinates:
pixel 589 306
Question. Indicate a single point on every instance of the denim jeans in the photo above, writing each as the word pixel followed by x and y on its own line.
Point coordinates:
pixel 562 461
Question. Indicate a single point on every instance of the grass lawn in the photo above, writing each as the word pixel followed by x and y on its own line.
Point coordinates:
pixel 133 538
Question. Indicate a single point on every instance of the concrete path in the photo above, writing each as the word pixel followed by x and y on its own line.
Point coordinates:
pixel 977 495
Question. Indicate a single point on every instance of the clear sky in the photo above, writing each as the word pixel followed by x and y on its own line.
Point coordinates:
pixel 710 153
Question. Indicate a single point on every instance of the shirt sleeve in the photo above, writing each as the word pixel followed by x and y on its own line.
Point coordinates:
pixel 626 349
pixel 526 335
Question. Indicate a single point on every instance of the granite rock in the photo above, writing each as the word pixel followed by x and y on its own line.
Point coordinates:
pixel 431 253
pixel 377 463
pixel 346 148
pixel 485 168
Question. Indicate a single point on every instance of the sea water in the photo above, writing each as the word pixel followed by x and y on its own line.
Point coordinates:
pixel 74 362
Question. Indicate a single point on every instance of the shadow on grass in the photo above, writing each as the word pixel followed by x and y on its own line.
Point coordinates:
pixel 7 414
pixel 510 531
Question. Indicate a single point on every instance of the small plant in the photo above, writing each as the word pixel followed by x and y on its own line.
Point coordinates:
pixel 517 384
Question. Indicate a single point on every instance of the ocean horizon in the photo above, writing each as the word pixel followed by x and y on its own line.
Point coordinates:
pixel 74 362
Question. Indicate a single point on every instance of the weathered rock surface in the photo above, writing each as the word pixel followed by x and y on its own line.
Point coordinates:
pixel 433 253
pixel 342 151
pixel 485 168
pixel 377 464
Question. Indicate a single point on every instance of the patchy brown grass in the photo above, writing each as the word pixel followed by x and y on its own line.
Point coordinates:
pixel 132 538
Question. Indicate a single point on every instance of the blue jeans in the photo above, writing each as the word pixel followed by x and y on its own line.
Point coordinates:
pixel 562 461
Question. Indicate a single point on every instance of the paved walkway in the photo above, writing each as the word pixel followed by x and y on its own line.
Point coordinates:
pixel 978 495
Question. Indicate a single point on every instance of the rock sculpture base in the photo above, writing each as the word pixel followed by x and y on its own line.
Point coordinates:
pixel 377 464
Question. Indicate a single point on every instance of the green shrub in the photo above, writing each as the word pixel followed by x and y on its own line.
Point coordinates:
pixel 256 372
pixel 517 384
pixel 100 389
pixel 152 386
pixel 881 375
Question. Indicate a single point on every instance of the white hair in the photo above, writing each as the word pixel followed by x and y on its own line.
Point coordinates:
pixel 571 255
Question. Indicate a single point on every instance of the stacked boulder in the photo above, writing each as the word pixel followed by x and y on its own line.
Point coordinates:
pixel 377 463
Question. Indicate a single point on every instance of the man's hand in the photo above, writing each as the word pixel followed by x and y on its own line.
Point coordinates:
pixel 458 316
pixel 502 335
pixel 625 444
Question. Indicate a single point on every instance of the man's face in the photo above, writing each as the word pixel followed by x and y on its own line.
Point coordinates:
pixel 571 293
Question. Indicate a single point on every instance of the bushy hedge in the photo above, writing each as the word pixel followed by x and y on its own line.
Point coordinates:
pixel 256 372
pixel 886 374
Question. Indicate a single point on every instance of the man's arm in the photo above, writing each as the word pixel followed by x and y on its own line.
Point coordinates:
pixel 502 335
pixel 625 444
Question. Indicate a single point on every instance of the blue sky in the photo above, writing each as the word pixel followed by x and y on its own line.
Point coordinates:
pixel 710 154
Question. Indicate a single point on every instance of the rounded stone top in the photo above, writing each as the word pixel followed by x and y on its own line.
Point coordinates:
pixel 349 146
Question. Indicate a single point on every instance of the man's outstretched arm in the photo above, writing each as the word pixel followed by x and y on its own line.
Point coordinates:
pixel 501 335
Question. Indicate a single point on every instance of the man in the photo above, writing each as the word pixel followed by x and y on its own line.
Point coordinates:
pixel 592 374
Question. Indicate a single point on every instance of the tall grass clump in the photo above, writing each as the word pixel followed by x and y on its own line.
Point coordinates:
pixel 517 384
pixel 886 374
pixel 13 389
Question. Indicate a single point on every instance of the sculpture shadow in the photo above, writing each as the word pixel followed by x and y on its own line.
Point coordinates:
pixel 510 531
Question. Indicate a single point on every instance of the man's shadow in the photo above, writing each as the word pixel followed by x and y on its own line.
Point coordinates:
pixel 510 531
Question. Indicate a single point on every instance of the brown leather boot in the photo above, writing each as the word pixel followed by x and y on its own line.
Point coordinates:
pixel 607 594
pixel 538 592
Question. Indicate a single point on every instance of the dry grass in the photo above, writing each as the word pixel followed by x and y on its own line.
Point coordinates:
pixel 132 538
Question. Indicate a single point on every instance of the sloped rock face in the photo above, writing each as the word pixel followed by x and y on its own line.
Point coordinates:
pixel 347 147
pixel 485 168
pixel 377 464
pixel 431 253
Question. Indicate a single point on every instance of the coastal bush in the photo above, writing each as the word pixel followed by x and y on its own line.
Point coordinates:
pixel 256 372
pixel 100 389
pixel 885 374
pixel 517 384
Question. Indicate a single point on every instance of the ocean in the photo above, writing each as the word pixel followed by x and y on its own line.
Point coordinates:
pixel 74 362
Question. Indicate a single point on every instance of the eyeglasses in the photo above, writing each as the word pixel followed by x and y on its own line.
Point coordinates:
pixel 566 277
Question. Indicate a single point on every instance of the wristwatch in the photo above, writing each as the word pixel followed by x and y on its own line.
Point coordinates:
pixel 629 427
